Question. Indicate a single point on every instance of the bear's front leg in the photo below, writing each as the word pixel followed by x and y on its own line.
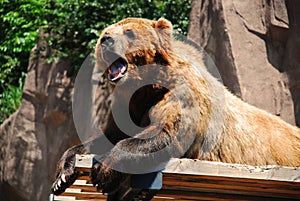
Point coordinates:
pixel 172 132
pixel 135 155
pixel 65 172
pixel 147 151
pixel 132 156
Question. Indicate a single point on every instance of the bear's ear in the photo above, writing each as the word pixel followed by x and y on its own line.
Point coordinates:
pixel 162 23
pixel 164 27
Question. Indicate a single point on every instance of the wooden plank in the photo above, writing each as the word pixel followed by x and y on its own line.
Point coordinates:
pixel 265 184
pixel 84 160
pixel 230 186
pixel 82 181
pixel 64 198
pixel 73 190
pixel 186 179
pixel 85 188
pixel 193 195
pixel 209 168
pixel 86 196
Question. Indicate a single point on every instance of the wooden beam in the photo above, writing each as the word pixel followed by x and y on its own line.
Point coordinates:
pixel 186 179
pixel 209 168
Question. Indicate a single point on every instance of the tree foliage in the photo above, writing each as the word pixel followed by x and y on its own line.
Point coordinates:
pixel 19 21
pixel 74 26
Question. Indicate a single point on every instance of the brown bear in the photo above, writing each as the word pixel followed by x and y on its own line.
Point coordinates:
pixel 180 111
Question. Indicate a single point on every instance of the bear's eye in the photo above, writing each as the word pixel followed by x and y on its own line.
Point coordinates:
pixel 130 34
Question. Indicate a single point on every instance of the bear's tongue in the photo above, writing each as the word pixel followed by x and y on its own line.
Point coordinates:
pixel 116 71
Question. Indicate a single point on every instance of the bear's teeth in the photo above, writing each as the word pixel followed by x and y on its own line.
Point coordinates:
pixel 123 69
pixel 117 77
pixel 117 71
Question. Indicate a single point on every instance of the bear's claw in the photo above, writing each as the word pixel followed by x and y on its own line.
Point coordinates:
pixel 63 181
pixel 66 174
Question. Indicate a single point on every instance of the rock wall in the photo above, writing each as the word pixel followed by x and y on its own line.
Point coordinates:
pixel 255 45
pixel 34 137
pixel 291 57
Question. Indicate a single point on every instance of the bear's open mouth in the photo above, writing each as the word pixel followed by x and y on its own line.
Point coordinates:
pixel 117 69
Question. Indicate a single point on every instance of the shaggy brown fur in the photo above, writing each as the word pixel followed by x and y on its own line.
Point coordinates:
pixel 196 114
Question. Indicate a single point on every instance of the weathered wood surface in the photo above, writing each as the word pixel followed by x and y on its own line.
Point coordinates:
pixel 186 179
pixel 209 168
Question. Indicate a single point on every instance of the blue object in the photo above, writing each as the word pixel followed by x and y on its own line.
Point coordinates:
pixel 151 181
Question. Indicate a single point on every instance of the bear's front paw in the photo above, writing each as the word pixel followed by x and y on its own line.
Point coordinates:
pixel 65 173
pixel 107 179
pixel 65 179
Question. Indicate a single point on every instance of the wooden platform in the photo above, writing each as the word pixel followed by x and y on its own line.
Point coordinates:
pixel 185 179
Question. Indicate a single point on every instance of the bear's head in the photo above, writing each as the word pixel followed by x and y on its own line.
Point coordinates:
pixel 131 43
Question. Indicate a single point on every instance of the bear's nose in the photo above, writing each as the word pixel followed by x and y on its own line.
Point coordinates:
pixel 107 41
